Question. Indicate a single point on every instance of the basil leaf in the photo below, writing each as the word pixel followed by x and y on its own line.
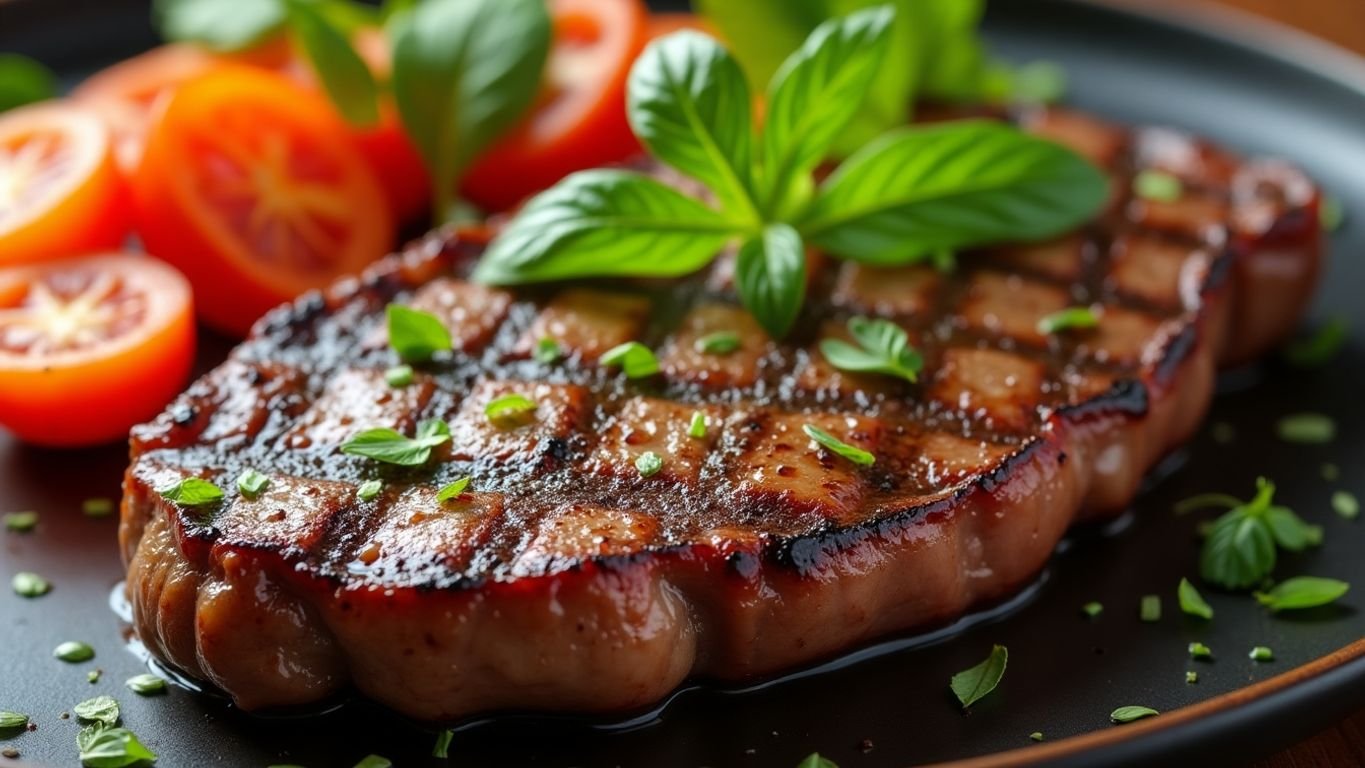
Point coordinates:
pixel 1239 552
pixel 717 343
pixel 21 522
pixel 1311 428
pixel 9 720
pixel 1092 609
pixel 809 103
pixel 1198 650
pixel 1192 602
pixel 1129 714
pixel 605 223
pixel 452 490
pixel 374 761
pixel 464 70
pixel 636 360
pixel 24 81
pixel 29 584
pixel 101 709
pixel 1290 531
pixel 951 186
pixel 770 275
pixel 1149 608
pixel 146 684
pixel 391 447
pixel 343 74
pixel 98 507
pixel 883 348
pixel 1158 186
pixel 250 483
pixel 1261 653
pixel 368 490
pixel 1302 592
pixel 971 685
pixel 547 351
pixel 398 376
pixel 74 652
pixel 814 759
pixel 697 427
pixel 192 492
pixel 223 25
pixel 512 406
pixel 111 748
pixel 838 447
pixel 784 25
pixel 1068 319
pixel 688 102
pixel 416 335
pixel 1346 505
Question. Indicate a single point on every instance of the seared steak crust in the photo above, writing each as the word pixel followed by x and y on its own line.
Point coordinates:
pixel 565 580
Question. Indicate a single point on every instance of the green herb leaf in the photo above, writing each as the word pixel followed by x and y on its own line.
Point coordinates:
pixel 1036 736
pixel 1239 551
pixel 1129 714
pixel 1319 349
pixel 27 584
pixel 463 71
pixel 1290 530
pixel 1038 82
pixel 718 343
pixel 111 748
pixel 1158 186
pixel 10 720
pixel 547 351
pixel 97 507
pixel 391 447
pixel 1346 505
pixel 416 335
pixel 951 186
pixel 1207 501
pixel 1200 651
pixel 374 761
pixel 1302 592
pixel 636 360
pixel 21 522
pixel 1307 428
pixel 697 428
pixel 883 347
pixel 343 74
pixel 1191 677
pixel 809 102
pixel 1071 318
pixel 101 709
pixel 814 759
pixel 369 490
pixel 452 490
pixel 838 447
pixel 24 81
pixel 223 25
pixel 1331 214
pixel 770 275
pixel 94 675
pixel 74 652
pixel 510 407
pixel 192 492
pixel 648 464
pixel 1149 608
pixel 442 747
pixel 399 376
pixel 605 223
pixel 146 684
pixel 1261 653
pixel 688 103
pixel 971 685
pixel 1191 602
pixel 1092 609
pixel 250 483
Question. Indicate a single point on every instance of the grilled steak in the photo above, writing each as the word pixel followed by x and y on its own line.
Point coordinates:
pixel 564 579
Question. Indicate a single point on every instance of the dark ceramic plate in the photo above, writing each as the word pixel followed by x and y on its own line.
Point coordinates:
pixel 1266 91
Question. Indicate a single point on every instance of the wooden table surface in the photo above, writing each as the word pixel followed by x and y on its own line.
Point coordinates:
pixel 1342 22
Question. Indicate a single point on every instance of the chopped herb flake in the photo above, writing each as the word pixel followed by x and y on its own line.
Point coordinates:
pixel 387 445
pixel 1261 653
pixel 251 483
pixel 1319 349
pixel 101 709
pixel 635 359
pixel 452 490
pixel 399 376
pixel 1200 651
pixel 1330 472
pixel 1036 736
pixel 1149 608
pixel 1071 318
pixel 1302 592
pixel 442 747
pixel 1307 428
pixel 1092 609
pixel 697 428
pixel 511 407
pixel 547 350
pixel 97 507
pixel 971 685
pixel 74 652
pixel 368 490
pixel 883 347
pixel 102 747
pixel 416 335
pixel 1191 677
pixel 94 675
pixel 1191 602
pixel 146 684
pixel 10 720
pixel 1158 186
pixel 718 343
pixel 1129 714
pixel 815 760
pixel 835 445
pixel 192 492
pixel 21 522
pixel 1346 505
pixel 27 584
pixel 649 464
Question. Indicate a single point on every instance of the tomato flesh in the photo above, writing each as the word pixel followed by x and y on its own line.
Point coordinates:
pixel 89 347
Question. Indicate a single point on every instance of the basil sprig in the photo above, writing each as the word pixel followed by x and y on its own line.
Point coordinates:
pixel 913 193
pixel 1240 550
pixel 973 684
pixel 883 347
pixel 392 447
pixel 1302 592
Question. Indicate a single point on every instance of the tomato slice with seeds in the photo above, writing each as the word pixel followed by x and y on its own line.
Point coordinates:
pixel 91 346
pixel 580 120
pixel 251 186
pixel 60 194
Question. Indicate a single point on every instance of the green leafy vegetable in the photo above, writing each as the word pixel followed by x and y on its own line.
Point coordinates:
pixel 192 492
pixel 1149 608
pixel 1302 592
pixel 24 81
pixel 399 376
pixel 648 464
pixel 251 483
pixel 102 747
pixel 971 685
pixel 1129 714
pixel 97 507
pixel 697 427
pixel 1240 549
pixel 223 25
pixel 1307 428
pixel 1158 186
pixel 343 74
pixel 74 652
pixel 442 747
pixel 509 407
pixel 547 351
pixel 883 347
pixel 11 720
pixel 101 709
pixel 1071 318
pixel 635 359
pixel 452 490
pixel 1200 651
pixel 28 584
pixel 1346 505
pixel 416 335
pixel 463 71
pixel 146 684
pixel 1191 602
pixel 1261 653
pixel 369 490
pixel 21 522
pixel 1092 609
pixel 770 275
pixel 718 343
pixel 838 447
pixel 391 447
pixel 1319 349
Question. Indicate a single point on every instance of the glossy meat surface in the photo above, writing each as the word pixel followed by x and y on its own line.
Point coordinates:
pixel 565 580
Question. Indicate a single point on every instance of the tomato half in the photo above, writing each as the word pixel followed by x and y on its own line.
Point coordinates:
pixel 60 194
pixel 91 346
pixel 580 120
pixel 250 185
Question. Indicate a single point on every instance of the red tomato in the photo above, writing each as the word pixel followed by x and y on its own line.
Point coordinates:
pixel 91 346
pixel 250 184
pixel 580 120
pixel 60 194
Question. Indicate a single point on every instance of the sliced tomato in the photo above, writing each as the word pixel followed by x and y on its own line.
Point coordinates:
pixel 250 184
pixel 580 120
pixel 91 346
pixel 60 194
pixel 661 24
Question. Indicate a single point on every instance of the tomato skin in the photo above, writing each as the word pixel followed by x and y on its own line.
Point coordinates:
pixel 93 396
pixel 233 279
pixel 580 125
pixel 89 211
